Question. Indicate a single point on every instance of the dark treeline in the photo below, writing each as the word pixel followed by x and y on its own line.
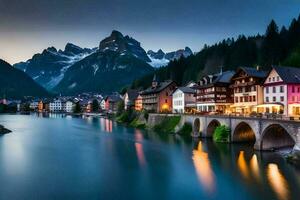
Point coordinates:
pixel 275 47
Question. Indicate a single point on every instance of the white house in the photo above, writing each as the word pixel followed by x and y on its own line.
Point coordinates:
pixel 102 104
pixel 282 91
pixel 68 106
pixel 56 105
pixel 181 97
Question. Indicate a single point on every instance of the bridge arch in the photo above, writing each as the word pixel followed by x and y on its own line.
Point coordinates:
pixel 211 127
pixel 196 126
pixel 276 136
pixel 243 132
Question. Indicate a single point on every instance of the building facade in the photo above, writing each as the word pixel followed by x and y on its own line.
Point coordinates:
pixel 214 93
pixel 129 99
pixel 56 106
pixel 158 97
pixel 282 91
pixel 181 98
pixel 138 103
pixel 247 84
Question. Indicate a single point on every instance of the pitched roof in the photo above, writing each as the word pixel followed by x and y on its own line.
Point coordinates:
pixel 132 94
pixel 254 72
pixel 186 90
pixel 288 74
pixel 161 86
pixel 113 98
pixel 224 77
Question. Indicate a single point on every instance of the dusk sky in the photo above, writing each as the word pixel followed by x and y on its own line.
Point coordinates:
pixel 29 26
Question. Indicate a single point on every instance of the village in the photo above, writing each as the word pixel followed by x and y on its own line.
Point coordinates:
pixel 245 92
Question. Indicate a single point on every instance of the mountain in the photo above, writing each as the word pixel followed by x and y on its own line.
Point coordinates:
pixel 118 61
pixel 161 58
pixel 48 68
pixel 278 46
pixel 15 83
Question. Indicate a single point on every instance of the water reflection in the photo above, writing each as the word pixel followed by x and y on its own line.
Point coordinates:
pixel 254 167
pixel 277 181
pixel 140 154
pixel 203 168
pixel 242 165
pixel 106 125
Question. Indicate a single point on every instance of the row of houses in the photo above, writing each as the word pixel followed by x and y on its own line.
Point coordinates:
pixel 245 91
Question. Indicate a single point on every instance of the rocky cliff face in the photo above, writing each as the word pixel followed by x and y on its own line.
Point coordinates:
pixel 48 68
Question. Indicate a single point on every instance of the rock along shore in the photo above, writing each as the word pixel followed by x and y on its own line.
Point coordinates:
pixel 4 130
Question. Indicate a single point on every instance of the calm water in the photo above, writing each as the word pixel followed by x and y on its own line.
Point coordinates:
pixel 91 158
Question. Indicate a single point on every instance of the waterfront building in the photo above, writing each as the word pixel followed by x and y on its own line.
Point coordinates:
pixel 214 93
pixel 282 91
pixel 111 103
pixel 34 105
pixel 158 97
pixel 138 103
pixel 247 84
pixel 102 104
pixel 68 106
pixel 56 105
pixel 129 98
pixel 40 106
pixel 182 97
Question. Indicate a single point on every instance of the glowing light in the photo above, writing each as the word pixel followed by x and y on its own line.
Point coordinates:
pixel 277 181
pixel 242 165
pixel 254 167
pixel 203 169
pixel 165 106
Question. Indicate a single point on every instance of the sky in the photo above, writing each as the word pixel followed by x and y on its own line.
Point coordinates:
pixel 29 26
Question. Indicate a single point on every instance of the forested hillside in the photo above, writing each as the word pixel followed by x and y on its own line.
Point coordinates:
pixel 278 46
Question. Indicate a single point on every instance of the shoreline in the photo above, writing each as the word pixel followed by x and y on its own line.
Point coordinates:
pixel 4 130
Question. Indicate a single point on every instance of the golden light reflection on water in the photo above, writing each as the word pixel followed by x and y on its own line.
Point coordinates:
pixel 277 181
pixel 242 165
pixel 255 167
pixel 203 168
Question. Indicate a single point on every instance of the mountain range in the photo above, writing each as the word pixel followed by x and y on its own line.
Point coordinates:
pixel 118 59
pixel 17 84
pixel 160 58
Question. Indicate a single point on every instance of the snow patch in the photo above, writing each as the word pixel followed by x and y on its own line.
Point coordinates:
pixel 96 67
pixel 158 62
pixel 72 85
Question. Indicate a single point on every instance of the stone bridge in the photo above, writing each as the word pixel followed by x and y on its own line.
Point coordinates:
pixel 266 134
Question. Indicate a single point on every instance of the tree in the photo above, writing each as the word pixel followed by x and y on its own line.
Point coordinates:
pixel 95 105
pixel 77 108
pixel 120 108
pixel 272 45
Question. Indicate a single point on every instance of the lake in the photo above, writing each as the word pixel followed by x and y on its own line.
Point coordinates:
pixel 58 157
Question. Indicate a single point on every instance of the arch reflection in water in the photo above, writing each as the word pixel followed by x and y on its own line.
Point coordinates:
pixel 203 168
pixel 277 181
